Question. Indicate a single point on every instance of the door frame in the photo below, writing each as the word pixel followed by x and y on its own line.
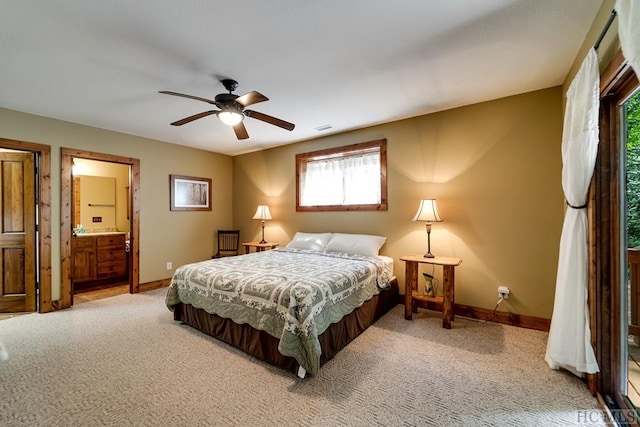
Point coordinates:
pixel 607 239
pixel 66 227
pixel 43 153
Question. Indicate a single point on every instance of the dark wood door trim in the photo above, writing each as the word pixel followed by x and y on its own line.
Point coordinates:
pixel 606 285
pixel 605 250
pixel 66 163
pixel 43 152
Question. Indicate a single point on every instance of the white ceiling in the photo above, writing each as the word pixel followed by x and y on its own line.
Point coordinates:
pixel 347 64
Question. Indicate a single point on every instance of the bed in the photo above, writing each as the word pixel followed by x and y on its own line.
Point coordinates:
pixel 293 307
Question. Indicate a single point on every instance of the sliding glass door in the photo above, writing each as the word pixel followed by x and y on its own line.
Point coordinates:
pixel 615 217
pixel 630 126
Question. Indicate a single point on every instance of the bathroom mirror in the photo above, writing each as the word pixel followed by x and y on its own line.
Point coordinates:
pixel 95 203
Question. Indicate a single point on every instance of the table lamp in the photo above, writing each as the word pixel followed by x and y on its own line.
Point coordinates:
pixel 428 212
pixel 263 214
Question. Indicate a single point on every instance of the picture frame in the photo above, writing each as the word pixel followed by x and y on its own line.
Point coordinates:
pixel 190 193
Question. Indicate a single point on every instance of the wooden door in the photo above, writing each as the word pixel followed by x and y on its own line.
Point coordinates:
pixel 17 233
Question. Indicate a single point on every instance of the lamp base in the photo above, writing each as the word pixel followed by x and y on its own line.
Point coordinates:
pixel 428 254
pixel 263 241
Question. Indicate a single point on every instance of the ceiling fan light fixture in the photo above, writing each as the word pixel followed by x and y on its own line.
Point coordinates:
pixel 232 109
pixel 230 116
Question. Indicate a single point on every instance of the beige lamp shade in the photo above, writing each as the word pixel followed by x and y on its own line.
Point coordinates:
pixel 263 213
pixel 428 211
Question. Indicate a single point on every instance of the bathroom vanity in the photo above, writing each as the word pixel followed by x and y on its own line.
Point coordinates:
pixel 98 257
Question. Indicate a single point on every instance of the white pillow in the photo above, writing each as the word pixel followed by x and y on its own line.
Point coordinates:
pixel 310 241
pixel 362 244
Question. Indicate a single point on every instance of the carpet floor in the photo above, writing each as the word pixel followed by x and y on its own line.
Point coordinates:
pixel 124 361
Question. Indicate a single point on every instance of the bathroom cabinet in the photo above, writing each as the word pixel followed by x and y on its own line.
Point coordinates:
pixel 98 257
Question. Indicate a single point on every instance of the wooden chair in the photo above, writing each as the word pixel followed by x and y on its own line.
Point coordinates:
pixel 228 243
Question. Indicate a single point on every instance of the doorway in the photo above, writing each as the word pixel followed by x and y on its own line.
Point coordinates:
pixel 67 227
pixel 102 224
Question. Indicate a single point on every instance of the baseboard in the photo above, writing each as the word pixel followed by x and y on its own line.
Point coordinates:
pixel 156 284
pixel 503 317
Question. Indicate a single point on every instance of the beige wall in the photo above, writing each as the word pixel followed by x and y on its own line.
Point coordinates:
pixel 495 169
pixel 608 47
pixel 179 237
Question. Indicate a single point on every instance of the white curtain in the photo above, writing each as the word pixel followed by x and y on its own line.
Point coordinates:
pixel 322 184
pixel 569 344
pixel 629 31
pixel 351 180
pixel 362 174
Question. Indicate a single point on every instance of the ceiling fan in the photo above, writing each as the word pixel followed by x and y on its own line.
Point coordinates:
pixel 232 109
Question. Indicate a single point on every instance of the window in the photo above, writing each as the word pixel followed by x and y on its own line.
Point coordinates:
pixel 347 178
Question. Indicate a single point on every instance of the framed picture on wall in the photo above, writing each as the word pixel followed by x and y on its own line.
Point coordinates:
pixel 189 193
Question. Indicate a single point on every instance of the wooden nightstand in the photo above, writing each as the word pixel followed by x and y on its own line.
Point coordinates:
pixel 259 247
pixel 448 286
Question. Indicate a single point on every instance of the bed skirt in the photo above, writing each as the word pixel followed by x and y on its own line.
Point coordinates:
pixel 263 346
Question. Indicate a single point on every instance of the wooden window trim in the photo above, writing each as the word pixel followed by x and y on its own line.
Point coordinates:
pixel 377 145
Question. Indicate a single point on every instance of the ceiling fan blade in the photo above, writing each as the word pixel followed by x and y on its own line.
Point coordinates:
pixel 251 98
pixel 197 98
pixel 194 117
pixel 269 119
pixel 241 131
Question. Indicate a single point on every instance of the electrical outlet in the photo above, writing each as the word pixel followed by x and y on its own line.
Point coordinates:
pixel 169 265
pixel 503 292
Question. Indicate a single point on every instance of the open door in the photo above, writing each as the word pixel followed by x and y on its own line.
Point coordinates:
pixel 17 233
